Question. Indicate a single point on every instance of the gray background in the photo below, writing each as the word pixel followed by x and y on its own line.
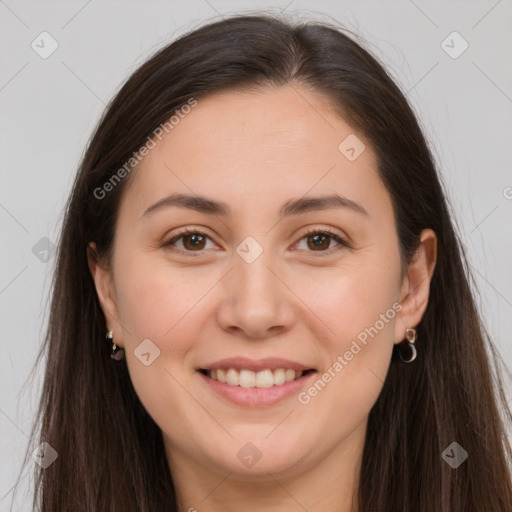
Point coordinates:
pixel 50 106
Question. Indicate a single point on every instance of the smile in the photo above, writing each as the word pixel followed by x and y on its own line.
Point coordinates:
pixel 249 379
pixel 256 389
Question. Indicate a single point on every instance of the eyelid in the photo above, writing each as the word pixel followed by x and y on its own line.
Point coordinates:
pixel 195 230
pixel 340 239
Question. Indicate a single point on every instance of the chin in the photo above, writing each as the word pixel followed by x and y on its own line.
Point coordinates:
pixel 256 457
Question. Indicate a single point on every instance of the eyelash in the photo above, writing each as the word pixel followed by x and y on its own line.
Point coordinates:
pixel 169 244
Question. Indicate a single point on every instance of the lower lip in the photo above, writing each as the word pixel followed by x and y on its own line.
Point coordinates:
pixel 257 397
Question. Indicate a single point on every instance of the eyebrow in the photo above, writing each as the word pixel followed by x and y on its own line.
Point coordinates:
pixel 292 207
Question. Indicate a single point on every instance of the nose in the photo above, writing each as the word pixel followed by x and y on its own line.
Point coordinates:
pixel 256 301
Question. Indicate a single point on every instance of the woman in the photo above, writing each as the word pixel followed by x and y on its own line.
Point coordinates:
pixel 258 230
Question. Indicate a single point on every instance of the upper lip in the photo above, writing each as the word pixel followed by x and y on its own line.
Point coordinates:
pixel 256 365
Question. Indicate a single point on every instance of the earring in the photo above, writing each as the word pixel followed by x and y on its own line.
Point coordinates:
pixel 406 349
pixel 116 353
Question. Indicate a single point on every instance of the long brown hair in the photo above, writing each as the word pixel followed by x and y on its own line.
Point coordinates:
pixel 110 452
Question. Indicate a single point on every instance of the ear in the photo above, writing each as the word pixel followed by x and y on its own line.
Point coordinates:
pixel 104 283
pixel 416 284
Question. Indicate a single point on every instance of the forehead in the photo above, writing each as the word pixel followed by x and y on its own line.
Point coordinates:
pixel 286 122
pixel 259 147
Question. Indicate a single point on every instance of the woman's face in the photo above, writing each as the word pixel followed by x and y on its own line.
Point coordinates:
pixel 260 288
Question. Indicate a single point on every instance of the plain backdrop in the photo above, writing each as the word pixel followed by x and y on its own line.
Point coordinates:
pixel 49 107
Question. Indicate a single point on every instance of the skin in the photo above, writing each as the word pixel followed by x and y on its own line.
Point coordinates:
pixel 291 302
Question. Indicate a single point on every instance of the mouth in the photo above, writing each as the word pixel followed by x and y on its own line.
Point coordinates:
pixel 250 383
pixel 263 379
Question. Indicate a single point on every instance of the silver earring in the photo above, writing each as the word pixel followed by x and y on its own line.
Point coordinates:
pixel 116 352
pixel 406 349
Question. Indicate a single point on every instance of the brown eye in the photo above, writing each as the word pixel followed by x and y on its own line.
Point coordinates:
pixel 188 241
pixel 319 241
pixel 194 241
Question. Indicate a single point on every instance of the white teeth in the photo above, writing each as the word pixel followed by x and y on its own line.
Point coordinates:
pixel 289 375
pixel 231 377
pixel 264 379
pixel 279 377
pixel 249 379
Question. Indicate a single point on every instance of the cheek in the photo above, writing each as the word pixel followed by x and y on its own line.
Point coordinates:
pixel 359 308
pixel 162 304
pixel 154 299
pixel 353 303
